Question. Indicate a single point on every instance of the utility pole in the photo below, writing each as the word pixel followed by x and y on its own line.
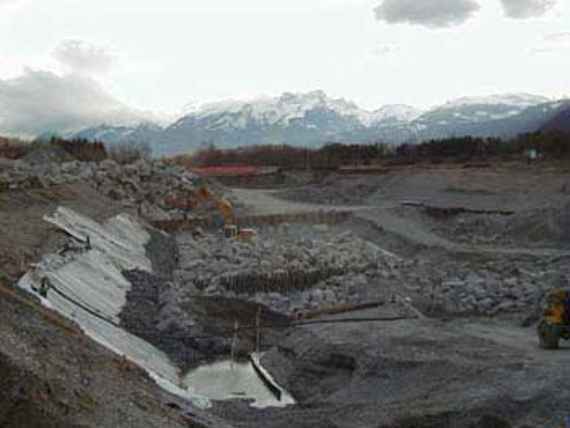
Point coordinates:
pixel 234 340
pixel 258 331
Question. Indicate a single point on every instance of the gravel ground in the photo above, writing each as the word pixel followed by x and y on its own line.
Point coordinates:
pixel 468 364
pixel 335 190
pixel 417 373
pixel 547 227
pixel 51 375
pixel 287 268
pixel 189 326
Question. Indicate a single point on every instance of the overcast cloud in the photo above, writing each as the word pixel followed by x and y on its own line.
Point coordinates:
pixel 204 50
pixel 41 101
pixel 429 13
pixel 561 37
pixel 522 9
pixel 83 57
pixel 553 43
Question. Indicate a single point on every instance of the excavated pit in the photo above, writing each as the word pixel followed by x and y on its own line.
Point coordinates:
pixel 110 279
pixel 85 283
pixel 235 380
pixel 200 350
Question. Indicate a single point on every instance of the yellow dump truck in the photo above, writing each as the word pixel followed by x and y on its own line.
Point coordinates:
pixel 555 322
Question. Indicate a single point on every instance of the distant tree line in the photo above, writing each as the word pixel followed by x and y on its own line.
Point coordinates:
pixel 554 145
pixel 11 148
pixel 551 145
pixel 96 151
pixel 78 149
pixel 81 149
pixel 332 155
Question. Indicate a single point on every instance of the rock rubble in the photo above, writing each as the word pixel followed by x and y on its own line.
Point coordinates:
pixel 283 272
pixel 148 186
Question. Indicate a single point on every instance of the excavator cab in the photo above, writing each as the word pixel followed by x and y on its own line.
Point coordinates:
pixel 555 322
pixel 231 231
pixel 225 217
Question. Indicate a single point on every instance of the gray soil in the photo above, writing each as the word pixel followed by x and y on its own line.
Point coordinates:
pixel 421 373
pixel 467 361
pixel 456 356
pixel 51 374
pixel 191 329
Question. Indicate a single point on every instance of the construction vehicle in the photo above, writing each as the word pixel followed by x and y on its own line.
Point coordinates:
pixel 555 322
pixel 227 217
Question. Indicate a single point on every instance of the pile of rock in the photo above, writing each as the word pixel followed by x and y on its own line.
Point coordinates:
pixel 149 185
pixel 487 294
pixel 300 268
pixel 544 227
pixel 502 286
pixel 281 271
pixel 146 185
pixel 335 190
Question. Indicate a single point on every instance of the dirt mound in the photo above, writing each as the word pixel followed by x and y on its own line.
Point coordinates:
pixel 549 227
pixel 26 236
pixel 47 153
pixel 51 375
pixel 334 190
pixel 16 410
pixel 410 374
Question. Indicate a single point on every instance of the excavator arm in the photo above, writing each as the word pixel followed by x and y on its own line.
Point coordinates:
pixel 226 210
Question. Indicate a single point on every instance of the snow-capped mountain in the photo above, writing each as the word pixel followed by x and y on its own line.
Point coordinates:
pixel 280 110
pixel 313 119
pixel 506 117
pixel 481 109
pixel 145 132
pixel 302 119
pixel 289 107
pixel 394 113
pixel 560 122
pixel 517 101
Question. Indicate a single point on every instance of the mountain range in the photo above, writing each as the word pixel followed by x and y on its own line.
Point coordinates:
pixel 313 119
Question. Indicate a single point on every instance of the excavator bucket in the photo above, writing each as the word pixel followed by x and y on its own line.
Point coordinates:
pixel 203 193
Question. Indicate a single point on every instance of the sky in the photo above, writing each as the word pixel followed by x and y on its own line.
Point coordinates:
pixel 71 63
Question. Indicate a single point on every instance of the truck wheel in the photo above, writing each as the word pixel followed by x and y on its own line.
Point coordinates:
pixel 548 335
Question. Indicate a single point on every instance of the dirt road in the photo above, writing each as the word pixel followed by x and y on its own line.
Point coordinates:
pixel 460 370
pixel 264 202
pixel 522 340
pixel 422 373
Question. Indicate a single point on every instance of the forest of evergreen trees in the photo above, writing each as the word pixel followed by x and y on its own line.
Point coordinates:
pixel 551 145
pixel 77 149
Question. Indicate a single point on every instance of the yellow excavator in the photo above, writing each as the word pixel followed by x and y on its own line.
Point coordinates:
pixel 555 322
pixel 226 210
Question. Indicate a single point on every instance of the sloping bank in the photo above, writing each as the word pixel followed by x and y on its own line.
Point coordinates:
pixel 87 284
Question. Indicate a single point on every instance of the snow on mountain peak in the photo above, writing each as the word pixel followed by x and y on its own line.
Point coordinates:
pixel 277 110
pixel 289 106
pixel 400 112
pixel 520 101
pixel 284 109
pixel 313 118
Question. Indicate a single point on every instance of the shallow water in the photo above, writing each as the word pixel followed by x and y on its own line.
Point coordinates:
pixel 226 380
